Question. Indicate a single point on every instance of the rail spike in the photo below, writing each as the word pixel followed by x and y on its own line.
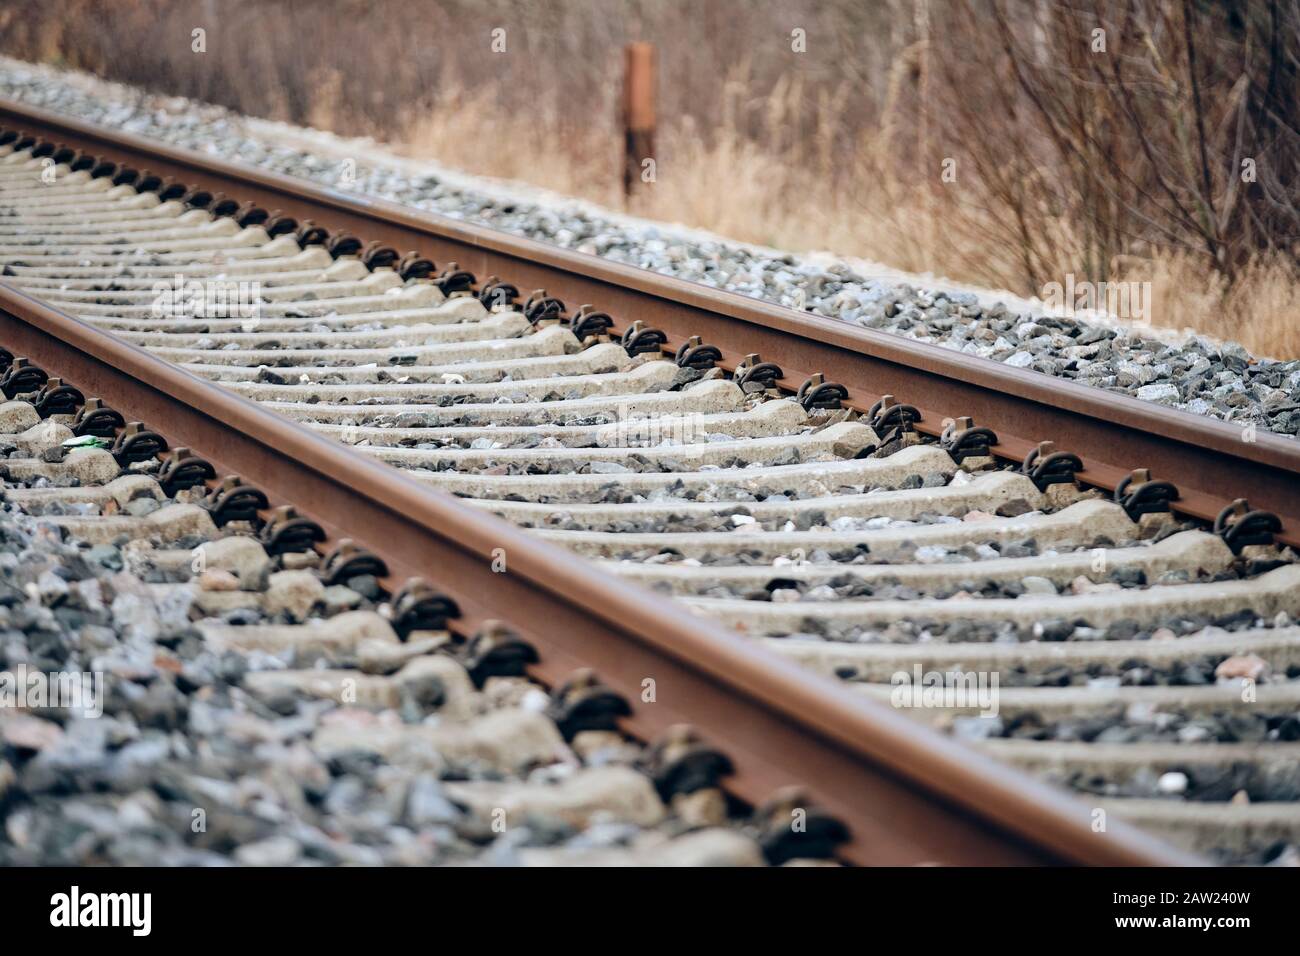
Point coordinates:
pixel 781 840
pixel 182 470
pixel 1240 527
pixel 755 375
pixel 637 339
pixel 693 353
pixel 892 420
pixel 376 255
pixel 232 500
pixel 1046 466
pixel 278 224
pixel 222 206
pixel 540 308
pixel 166 189
pixel 22 378
pixel 250 214
pixel 962 439
pixel 97 419
pixel 343 244
pixel 287 531
pixel 151 182
pixel 414 266
pixel 349 560
pixel 103 168
pixel 584 703
pixel 496 651
pixel 1139 495
pixel 197 196
pixel 135 444
pixel 817 393
pixel 418 606
pixel 497 295
pixel 310 234
pixel 679 762
pixel 125 176
pixel 590 324
pixel 454 280
pixel 57 397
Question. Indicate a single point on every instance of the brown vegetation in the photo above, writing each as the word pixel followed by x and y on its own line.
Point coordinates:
pixel 1172 155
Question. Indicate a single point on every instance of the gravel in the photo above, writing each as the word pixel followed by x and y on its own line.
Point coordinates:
pixel 179 757
pixel 1197 374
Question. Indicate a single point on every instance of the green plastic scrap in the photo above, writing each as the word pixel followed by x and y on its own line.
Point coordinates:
pixel 86 441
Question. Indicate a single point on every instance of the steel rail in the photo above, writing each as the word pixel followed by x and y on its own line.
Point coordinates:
pixel 1211 461
pixel 907 794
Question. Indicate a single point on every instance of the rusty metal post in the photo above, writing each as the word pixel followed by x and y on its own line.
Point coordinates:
pixel 638 113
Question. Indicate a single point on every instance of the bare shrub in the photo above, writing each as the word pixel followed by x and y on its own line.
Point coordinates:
pixel 992 141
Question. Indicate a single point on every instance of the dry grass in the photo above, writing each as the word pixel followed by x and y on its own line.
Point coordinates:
pixel 730 184
pixel 1261 309
pixel 469 131
pixel 1063 165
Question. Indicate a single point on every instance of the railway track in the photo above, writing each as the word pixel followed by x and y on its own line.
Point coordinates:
pixel 806 492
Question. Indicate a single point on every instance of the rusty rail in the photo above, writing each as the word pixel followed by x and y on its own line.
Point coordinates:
pixel 1211 461
pixel 907 794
